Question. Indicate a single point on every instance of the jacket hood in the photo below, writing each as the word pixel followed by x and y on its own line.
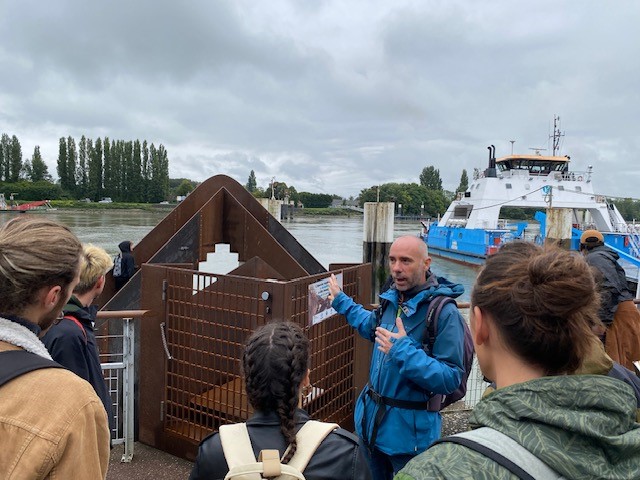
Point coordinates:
pixel 582 426
pixel 125 246
pixel 434 286
pixel 606 252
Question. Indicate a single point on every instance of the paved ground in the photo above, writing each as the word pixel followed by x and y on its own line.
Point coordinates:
pixel 148 463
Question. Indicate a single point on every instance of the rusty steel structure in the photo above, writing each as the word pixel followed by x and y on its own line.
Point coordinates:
pixel 189 344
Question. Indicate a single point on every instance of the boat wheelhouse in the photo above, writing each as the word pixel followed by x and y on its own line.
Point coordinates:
pixel 472 227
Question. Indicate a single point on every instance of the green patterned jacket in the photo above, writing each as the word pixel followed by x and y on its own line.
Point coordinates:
pixel 582 426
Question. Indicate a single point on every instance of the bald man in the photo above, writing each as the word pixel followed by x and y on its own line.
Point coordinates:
pixel 397 414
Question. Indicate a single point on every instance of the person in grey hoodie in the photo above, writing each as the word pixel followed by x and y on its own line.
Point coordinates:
pixel 124 264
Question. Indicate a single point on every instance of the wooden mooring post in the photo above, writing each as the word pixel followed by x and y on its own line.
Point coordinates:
pixel 378 237
pixel 558 227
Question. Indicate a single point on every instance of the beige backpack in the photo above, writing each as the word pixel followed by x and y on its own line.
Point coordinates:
pixel 238 452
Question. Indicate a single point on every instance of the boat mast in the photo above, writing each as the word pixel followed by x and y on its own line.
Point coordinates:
pixel 556 135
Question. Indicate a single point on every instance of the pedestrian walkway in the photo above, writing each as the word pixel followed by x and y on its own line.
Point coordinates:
pixel 147 463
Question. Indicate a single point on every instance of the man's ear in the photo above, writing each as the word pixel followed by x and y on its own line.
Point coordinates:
pixel 51 295
pixel 427 262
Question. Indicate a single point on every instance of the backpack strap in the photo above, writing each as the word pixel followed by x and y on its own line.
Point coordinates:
pixel 505 451
pixel 14 363
pixel 308 439
pixel 433 313
pixel 237 449
pixel 80 326
pixel 429 339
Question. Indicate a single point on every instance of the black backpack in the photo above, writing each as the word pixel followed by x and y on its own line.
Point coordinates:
pixel 433 313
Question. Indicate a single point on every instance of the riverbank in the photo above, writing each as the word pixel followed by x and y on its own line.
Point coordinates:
pixel 80 205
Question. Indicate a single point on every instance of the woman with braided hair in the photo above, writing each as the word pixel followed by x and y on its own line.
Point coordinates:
pixel 275 365
pixel 531 318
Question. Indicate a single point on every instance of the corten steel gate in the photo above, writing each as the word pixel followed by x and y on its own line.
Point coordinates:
pixel 191 382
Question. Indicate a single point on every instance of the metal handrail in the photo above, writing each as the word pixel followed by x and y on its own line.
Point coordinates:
pixel 123 313
pixel 128 367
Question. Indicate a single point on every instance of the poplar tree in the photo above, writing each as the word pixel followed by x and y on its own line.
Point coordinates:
pixel 430 178
pixel 146 171
pixel 81 171
pixel 251 182
pixel 464 182
pixel 15 160
pixel 62 164
pixel 5 145
pixel 38 170
pixel 72 161
pixel 95 171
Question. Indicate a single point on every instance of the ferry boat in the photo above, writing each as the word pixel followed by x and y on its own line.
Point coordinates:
pixel 471 228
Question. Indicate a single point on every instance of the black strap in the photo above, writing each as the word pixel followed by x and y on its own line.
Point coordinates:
pixel 489 453
pixel 14 363
pixel 381 402
pixel 433 313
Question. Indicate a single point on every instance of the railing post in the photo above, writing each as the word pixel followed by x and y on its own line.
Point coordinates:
pixel 128 342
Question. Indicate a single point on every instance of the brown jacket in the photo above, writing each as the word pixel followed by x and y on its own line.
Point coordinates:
pixel 52 426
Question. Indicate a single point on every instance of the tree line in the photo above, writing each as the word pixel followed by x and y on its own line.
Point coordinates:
pixel 427 198
pixel 126 171
pixel 282 191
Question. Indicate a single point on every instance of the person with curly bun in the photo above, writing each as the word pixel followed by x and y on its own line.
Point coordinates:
pixel 532 313
pixel 275 364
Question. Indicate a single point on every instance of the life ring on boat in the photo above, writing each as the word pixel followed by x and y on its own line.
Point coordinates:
pixel 626 241
pixel 579 178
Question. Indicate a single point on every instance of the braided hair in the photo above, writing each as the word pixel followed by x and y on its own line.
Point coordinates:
pixel 275 362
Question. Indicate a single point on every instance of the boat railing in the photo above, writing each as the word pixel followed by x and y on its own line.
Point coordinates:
pixel 633 232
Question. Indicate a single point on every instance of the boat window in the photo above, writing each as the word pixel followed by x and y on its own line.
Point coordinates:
pixel 560 187
pixel 462 211
pixel 507 185
pixel 578 189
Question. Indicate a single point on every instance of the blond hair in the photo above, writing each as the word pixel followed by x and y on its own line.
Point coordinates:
pixel 34 253
pixel 95 263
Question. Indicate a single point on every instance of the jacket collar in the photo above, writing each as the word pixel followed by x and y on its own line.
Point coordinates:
pixel 85 315
pixel 271 418
pixel 17 334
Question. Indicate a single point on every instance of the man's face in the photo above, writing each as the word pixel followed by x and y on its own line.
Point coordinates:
pixel 63 298
pixel 408 262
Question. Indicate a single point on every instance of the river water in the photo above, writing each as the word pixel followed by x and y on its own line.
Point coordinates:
pixel 328 239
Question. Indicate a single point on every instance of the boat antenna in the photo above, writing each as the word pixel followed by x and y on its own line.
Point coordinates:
pixel 538 150
pixel 557 135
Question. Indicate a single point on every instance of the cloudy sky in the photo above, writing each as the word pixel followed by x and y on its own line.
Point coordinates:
pixel 328 96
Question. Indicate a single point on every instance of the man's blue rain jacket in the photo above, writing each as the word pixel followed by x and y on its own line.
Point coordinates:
pixel 407 372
